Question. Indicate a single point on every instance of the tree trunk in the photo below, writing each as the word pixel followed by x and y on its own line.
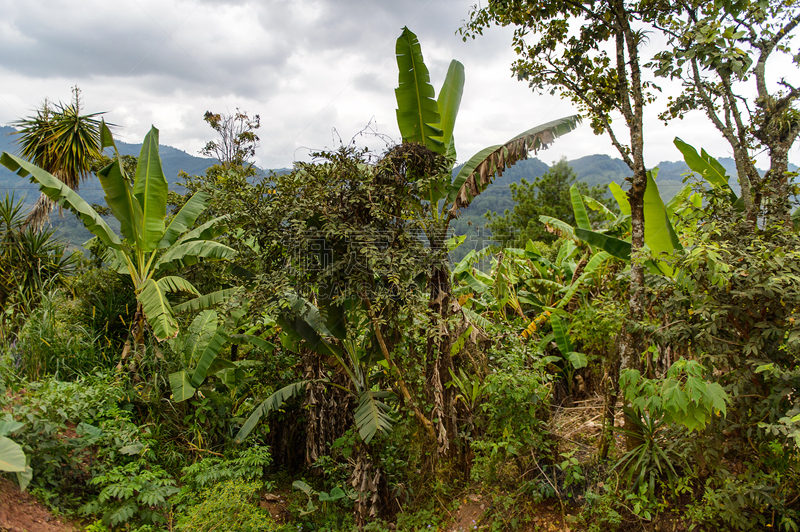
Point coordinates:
pixel 329 409
pixel 438 362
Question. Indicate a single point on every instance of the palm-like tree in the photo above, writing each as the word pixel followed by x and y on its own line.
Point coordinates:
pixel 61 141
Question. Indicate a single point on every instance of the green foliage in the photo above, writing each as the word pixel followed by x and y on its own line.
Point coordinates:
pixel 510 421
pixel 248 464
pixel 52 343
pixel 31 263
pixel 131 494
pixel 105 304
pixel 141 210
pixel 72 431
pixel 683 397
pixel 227 507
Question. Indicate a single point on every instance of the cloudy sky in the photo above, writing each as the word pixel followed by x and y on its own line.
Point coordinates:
pixel 316 71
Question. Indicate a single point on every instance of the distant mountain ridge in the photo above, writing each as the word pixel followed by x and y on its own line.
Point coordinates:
pixel 592 169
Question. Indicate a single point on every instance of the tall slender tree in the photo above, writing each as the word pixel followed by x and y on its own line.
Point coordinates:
pixel 589 52
pixel 722 52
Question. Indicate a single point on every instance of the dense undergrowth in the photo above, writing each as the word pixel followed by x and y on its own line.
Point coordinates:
pixel 297 352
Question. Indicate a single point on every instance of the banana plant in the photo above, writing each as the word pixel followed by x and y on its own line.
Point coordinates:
pixel 571 359
pixel 200 347
pixel 430 121
pixel 659 234
pixel 524 281
pixel 150 247
pixel 304 326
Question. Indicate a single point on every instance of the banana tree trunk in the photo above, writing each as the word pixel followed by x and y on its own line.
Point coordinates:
pixel 439 363
pixel 370 484
pixel 329 409
pixel 134 345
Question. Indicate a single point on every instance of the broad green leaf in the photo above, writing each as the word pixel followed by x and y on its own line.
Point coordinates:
pixel 593 264
pixel 191 344
pixel 256 341
pixel 181 385
pixel 708 167
pixel 474 284
pixel 482 168
pixel 372 415
pixel 659 234
pixel 24 477
pixel 273 402
pixel 172 283
pixel 11 456
pixel 581 218
pixel 599 207
pixel 210 353
pixel 106 138
pixel 302 486
pixel 448 104
pixel 7 427
pixel 150 190
pixel 207 231
pixel 157 310
pixel 185 218
pixel 133 449
pixel 578 360
pixel 561 335
pixel 205 301
pixel 417 110
pixel 120 199
pixel 622 198
pixel 64 196
pixel 613 246
pixel 335 494
pixel 181 255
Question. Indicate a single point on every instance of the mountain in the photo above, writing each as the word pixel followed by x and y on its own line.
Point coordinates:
pixel 592 169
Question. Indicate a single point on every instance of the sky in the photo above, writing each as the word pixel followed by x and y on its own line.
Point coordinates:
pixel 318 72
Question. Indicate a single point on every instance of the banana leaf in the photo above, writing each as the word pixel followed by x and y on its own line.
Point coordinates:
pixel 205 301
pixel 448 103
pixel 120 199
pixel 417 110
pixel 613 246
pixel 581 217
pixel 707 167
pixel 185 218
pixel 158 311
pixel 150 190
pixel 273 402
pixel 188 253
pixel 372 415
pixel 622 198
pixel 482 168
pixel 64 196
pixel 181 385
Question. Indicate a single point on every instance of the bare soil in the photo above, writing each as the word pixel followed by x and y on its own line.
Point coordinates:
pixel 20 512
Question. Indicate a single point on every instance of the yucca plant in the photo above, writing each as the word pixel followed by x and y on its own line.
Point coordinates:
pixel 31 263
pixel 150 247
pixel 62 141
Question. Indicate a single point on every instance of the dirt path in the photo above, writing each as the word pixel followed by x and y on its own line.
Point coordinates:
pixel 20 512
